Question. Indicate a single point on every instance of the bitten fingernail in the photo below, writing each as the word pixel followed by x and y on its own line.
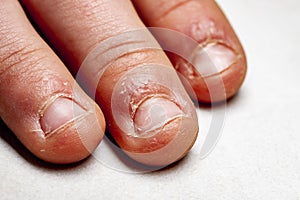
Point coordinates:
pixel 59 113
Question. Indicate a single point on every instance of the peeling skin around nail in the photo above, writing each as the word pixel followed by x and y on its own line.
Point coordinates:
pixel 207 33
pixel 149 90
pixel 153 114
pixel 210 67
pixel 65 126
pixel 206 23
pixel 170 151
pixel 206 30
pixel 153 139
pixel 213 83
pixel 47 132
pixel 134 89
pixel 158 139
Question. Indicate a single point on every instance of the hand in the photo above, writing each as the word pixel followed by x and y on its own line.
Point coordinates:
pixel 147 111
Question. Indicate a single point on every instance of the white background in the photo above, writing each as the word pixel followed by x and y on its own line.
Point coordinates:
pixel 257 157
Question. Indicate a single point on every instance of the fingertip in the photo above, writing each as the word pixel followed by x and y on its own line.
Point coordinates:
pixel 74 139
pixel 39 99
pixel 214 78
pixel 152 118
pixel 216 68
pixel 171 144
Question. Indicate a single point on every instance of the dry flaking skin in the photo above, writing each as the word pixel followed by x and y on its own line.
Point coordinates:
pixel 155 123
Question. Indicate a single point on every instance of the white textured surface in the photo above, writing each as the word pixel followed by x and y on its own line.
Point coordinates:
pixel 257 157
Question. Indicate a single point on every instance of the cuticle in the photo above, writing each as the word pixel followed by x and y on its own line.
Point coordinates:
pixel 210 41
pixel 168 121
pixel 168 95
pixel 54 98
pixel 163 96
pixel 165 93
pixel 68 123
pixel 64 126
pixel 158 130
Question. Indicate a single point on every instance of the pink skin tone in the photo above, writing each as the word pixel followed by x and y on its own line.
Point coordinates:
pixel 151 118
pixel 206 24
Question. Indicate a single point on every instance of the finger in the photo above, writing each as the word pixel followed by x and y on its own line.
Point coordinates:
pixel 39 99
pixel 150 116
pixel 204 22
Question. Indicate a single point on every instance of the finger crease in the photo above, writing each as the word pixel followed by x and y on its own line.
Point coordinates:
pixel 171 9
pixel 19 59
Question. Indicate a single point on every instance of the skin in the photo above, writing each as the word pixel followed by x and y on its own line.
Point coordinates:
pixel 57 121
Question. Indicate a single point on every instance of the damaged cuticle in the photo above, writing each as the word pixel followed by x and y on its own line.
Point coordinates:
pixel 153 114
pixel 208 59
pixel 152 106
pixel 145 103
pixel 59 113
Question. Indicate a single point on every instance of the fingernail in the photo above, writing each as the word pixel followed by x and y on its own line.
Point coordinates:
pixel 213 58
pixel 59 113
pixel 153 114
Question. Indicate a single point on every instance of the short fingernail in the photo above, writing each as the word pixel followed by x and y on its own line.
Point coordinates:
pixel 59 113
pixel 153 114
pixel 213 58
